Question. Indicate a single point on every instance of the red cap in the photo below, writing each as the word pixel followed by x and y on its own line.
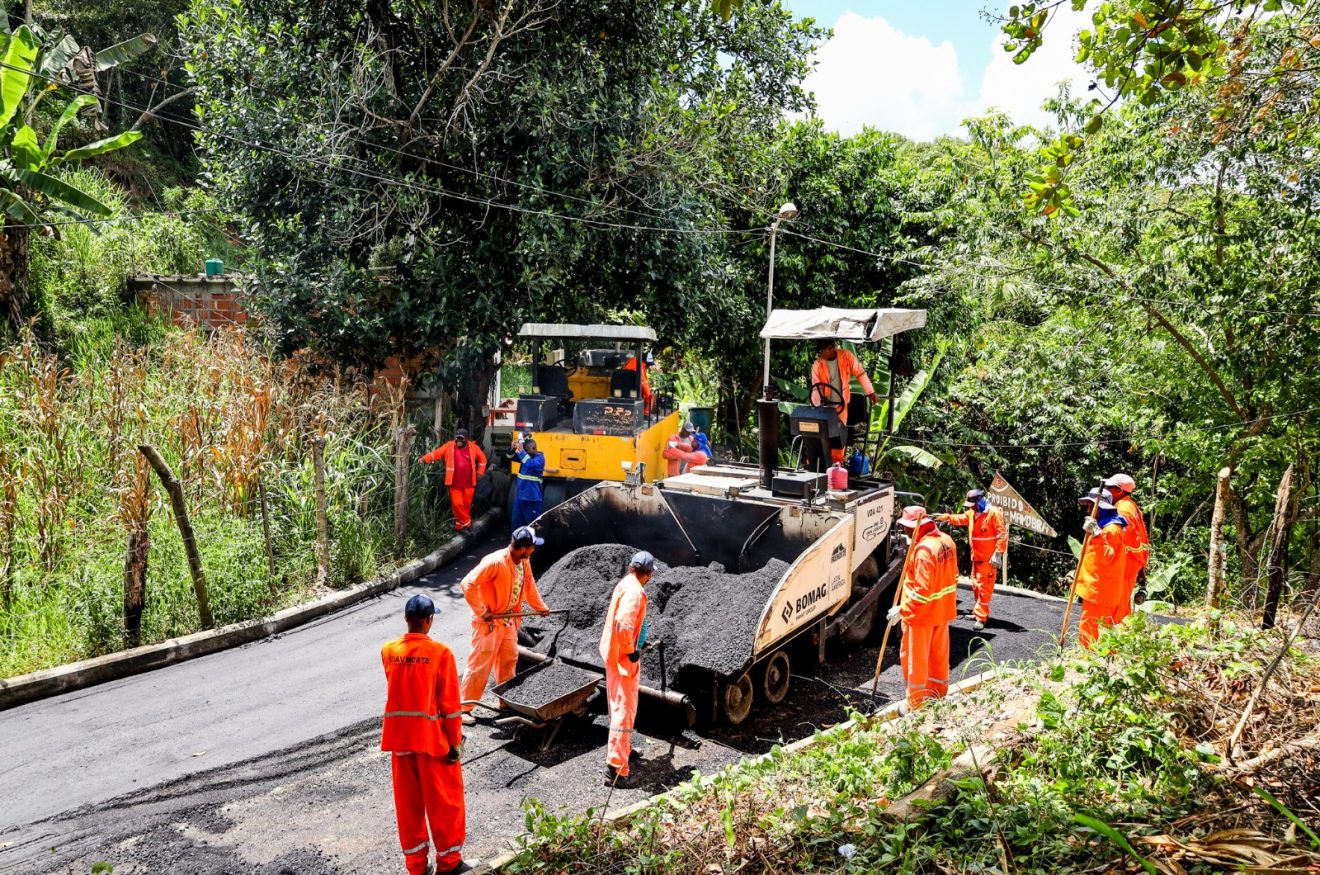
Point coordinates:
pixel 913 516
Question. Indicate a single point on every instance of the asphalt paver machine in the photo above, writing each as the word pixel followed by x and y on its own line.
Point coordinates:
pixel 837 544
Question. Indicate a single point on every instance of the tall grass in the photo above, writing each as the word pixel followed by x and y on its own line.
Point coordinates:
pixel 232 422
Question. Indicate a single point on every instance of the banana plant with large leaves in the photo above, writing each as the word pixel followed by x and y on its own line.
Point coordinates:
pixel 30 187
pixel 903 405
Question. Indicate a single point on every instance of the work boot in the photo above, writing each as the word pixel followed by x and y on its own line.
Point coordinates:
pixel 469 719
pixel 614 779
pixel 634 756
pixel 461 866
pixel 978 626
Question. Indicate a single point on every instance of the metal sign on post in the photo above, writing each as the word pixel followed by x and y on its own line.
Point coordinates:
pixel 1016 510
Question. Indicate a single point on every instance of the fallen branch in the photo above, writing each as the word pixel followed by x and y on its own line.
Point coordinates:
pixel 1307 743
pixel 175 490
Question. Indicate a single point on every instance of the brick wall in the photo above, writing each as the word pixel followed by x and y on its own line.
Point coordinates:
pixel 192 299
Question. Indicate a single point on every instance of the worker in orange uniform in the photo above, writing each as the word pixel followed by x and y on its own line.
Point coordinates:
pixel 642 381
pixel 464 465
pixel 836 368
pixel 621 643
pixel 681 451
pixel 422 732
pixel 495 588
pixel 989 545
pixel 1136 542
pixel 929 604
pixel 1100 579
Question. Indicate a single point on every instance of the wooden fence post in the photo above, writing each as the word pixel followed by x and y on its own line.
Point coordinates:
pixel 1278 554
pixel 135 584
pixel 175 490
pixel 1215 586
pixel 265 529
pixel 322 521
pixel 403 439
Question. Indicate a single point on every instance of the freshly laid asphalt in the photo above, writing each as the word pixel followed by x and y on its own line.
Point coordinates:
pixel 265 758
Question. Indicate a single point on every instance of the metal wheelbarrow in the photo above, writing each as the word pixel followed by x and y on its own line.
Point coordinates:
pixel 574 688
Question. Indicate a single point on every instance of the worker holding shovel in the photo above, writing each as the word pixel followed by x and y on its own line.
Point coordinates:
pixel 929 604
pixel 1100 571
pixel 989 543
pixel 496 589
pixel 1136 543
pixel 621 643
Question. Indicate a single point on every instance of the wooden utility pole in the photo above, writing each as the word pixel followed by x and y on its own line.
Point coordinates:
pixel 175 490
pixel 322 522
pixel 1215 585
pixel 135 584
pixel 1278 555
pixel 403 440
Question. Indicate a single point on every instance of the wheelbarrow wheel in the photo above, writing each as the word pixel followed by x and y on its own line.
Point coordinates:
pixel 774 678
pixel 736 699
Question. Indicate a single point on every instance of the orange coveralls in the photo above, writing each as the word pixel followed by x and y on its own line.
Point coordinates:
pixel 623 623
pixel 930 602
pixel 420 726
pixel 497 585
pixel 989 536
pixel 1136 542
pixel 460 497
pixel 849 367
pixel 682 454
pixel 1100 582
pixel 647 397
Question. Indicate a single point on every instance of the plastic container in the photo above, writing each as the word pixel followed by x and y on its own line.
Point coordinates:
pixel 859 464
pixel 838 478
pixel 701 417
pixel 215 267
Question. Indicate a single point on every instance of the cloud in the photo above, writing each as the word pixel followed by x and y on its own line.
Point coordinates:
pixel 1020 89
pixel 873 74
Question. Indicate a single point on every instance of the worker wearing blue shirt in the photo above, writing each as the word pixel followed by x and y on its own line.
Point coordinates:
pixel 531 475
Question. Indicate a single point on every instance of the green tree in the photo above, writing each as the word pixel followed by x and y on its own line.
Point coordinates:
pixel 415 176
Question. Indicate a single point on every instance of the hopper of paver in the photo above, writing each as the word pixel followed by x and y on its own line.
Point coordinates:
pixel 738 582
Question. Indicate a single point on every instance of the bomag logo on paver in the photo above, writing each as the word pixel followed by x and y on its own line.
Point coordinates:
pixel 806 601
pixel 839 552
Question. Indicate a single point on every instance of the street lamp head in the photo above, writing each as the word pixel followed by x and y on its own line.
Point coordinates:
pixel 787 211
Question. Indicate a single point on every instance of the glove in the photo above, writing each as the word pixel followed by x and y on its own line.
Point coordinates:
pixel 455 754
pixel 1139 597
pixel 1091 527
pixel 1141 578
pixel 893 616
pixel 544 613
pixel 997 560
pixel 634 656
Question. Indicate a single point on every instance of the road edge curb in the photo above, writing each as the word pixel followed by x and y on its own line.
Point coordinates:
pixel 43 684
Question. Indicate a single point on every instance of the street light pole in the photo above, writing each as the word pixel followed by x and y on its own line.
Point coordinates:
pixel 786 212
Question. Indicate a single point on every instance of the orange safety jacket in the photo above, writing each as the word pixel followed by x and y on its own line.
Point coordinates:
pixel 1100 577
pixel 422 713
pixel 623 623
pixel 445 453
pixel 491 587
pixel 677 451
pixel 989 534
pixel 1136 539
pixel 645 383
pixel 849 367
pixel 930 586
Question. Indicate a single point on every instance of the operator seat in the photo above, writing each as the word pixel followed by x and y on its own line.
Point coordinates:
pixel 859 419
pixel 552 380
pixel 625 384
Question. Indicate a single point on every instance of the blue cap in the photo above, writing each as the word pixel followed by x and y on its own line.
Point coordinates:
pixel 526 537
pixel 419 607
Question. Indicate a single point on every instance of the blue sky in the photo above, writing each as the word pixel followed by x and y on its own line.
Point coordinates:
pixel 919 67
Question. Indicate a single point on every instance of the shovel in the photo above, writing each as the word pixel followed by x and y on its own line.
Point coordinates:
pixel 1072 590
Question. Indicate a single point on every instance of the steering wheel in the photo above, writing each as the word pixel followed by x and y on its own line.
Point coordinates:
pixel 823 393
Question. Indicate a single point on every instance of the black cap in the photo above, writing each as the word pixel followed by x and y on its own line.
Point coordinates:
pixel 460 432
pixel 825 343
pixel 419 607
pixel 642 561
pixel 526 537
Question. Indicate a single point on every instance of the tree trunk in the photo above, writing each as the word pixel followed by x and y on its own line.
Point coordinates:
pixel 403 440
pixel 1215 587
pixel 14 260
pixel 175 490
pixel 322 521
pixel 473 394
pixel 135 584
pixel 1280 528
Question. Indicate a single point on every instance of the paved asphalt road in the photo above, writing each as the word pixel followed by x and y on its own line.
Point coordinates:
pixel 97 743
pixel 265 758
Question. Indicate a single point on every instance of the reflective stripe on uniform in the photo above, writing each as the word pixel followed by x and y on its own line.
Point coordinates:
pixel 423 846
pixel 421 714
pixel 533 478
pixel 923 599
pixel 454 850
pixel 451 716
